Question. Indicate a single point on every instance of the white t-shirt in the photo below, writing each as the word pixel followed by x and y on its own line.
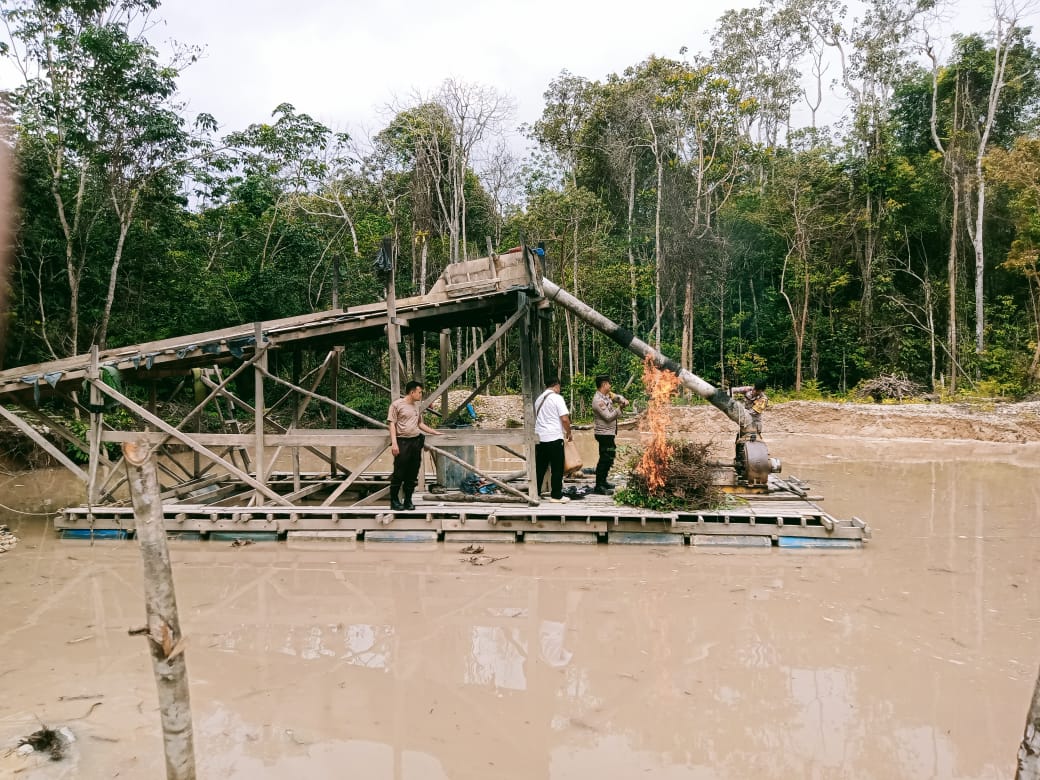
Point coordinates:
pixel 550 407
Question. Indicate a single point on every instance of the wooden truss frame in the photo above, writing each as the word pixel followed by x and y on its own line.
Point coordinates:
pixel 235 467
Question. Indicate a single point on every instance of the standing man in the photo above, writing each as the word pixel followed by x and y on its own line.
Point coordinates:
pixel 606 415
pixel 406 443
pixel 755 401
pixel 552 424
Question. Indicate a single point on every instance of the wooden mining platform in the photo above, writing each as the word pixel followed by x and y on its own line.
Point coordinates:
pixel 225 484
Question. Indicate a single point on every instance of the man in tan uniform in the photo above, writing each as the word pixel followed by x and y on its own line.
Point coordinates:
pixel 406 443
pixel 606 416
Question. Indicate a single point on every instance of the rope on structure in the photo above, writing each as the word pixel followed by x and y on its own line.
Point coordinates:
pixel 20 512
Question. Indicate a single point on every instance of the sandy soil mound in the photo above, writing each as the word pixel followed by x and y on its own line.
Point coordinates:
pixel 995 422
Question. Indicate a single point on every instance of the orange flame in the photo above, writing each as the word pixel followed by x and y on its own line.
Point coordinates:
pixel 660 387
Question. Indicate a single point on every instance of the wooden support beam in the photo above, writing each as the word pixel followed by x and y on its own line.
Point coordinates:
pixel 93 372
pixel 393 334
pixel 337 362
pixel 372 382
pixel 161 449
pixel 470 467
pixel 218 389
pixel 530 347
pixel 326 399
pixel 298 411
pixel 42 442
pixel 305 491
pixel 445 351
pixel 184 438
pixel 259 369
pixel 342 487
pixel 67 435
pixel 480 388
pixel 279 428
pixel 178 491
pixel 371 498
pixel 446 384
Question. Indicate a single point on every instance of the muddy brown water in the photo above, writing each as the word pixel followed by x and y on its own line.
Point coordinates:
pixel 914 657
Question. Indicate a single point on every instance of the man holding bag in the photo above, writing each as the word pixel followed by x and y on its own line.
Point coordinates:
pixel 552 424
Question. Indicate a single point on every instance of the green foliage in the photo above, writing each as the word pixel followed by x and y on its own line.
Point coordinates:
pixel 816 257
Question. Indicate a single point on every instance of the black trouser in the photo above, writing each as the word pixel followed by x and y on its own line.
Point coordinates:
pixel 607 453
pixel 406 465
pixel 549 455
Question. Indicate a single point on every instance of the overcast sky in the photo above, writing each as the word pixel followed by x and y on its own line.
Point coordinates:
pixel 344 61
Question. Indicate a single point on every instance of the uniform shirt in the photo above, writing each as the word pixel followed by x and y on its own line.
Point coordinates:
pixel 605 414
pixel 549 408
pixel 755 401
pixel 405 418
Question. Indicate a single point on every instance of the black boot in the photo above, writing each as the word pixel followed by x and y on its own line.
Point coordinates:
pixel 395 502
pixel 408 498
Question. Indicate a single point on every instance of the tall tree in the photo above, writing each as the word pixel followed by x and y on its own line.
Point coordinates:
pixel 98 106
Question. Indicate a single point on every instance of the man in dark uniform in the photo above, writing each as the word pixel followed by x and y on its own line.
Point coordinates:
pixel 406 443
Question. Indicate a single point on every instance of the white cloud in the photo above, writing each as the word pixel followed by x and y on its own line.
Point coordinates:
pixel 343 62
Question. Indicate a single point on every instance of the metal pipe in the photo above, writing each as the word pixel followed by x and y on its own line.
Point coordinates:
pixel 720 399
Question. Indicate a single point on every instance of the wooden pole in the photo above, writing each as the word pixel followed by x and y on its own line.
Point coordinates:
pixel 260 367
pixel 392 332
pixel 446 383
pixel 93 374
pixel 297 369
pixel 470 467
pixel 165 427
pixel 530 346
pixel 1029 750
pixel 44 444
pixel 337 359
pixel 165 640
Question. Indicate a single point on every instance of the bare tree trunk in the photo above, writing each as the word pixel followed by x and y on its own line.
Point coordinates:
pixel 930 313
pixel 870 241
pixel 164 631
pixel 659 258
pixel 722 334
pixel 687 321
pixel 951 275
pixel 633 291
pixel 574 332
pixel 125 220
pixel 73 271
pixel 1002 48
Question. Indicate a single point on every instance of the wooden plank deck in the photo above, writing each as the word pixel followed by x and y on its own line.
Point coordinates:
pixel 594 514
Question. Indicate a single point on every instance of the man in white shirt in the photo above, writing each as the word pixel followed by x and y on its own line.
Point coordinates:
pixel 552 424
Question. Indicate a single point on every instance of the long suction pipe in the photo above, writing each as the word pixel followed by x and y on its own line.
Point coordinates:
pixel 625 338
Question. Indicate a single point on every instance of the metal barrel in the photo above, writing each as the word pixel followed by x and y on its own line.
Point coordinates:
pixel 720 399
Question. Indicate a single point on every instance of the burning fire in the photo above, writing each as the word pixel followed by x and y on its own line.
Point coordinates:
pixel 660 387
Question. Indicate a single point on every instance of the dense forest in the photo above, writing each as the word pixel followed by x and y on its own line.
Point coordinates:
pixel 701 201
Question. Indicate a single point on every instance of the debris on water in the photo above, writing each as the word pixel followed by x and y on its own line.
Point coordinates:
pixel 7 539
pixel 241 542
pixel 472 549
pixel 482 560
pixel 54 742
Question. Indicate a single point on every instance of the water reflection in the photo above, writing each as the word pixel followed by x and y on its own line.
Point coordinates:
pixel 912 658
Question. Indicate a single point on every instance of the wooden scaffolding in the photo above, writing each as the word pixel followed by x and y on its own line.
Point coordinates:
pixel 227 482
